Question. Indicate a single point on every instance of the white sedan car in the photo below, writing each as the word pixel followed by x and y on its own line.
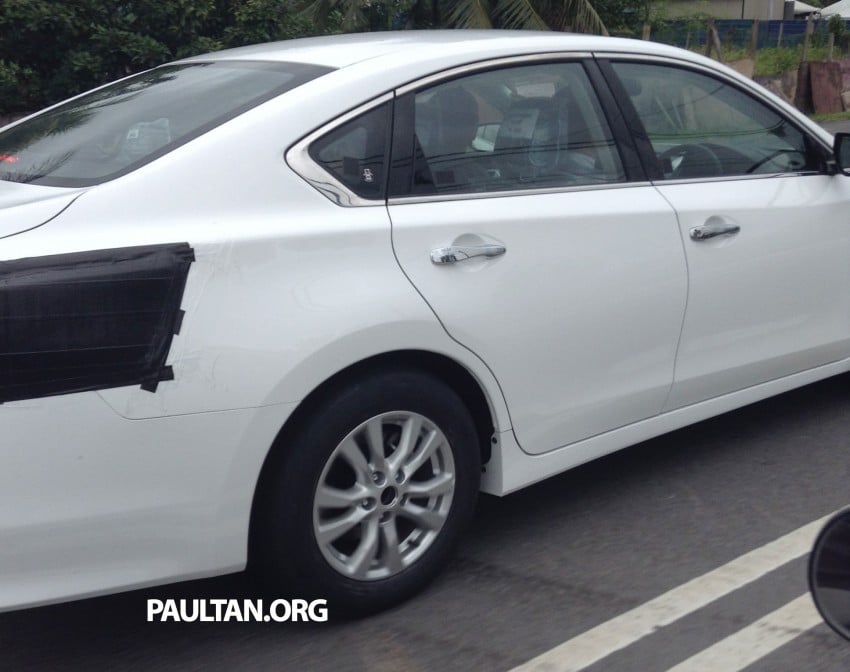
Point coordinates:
pixel 296 304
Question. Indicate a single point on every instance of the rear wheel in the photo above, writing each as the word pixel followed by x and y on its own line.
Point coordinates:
pixel 365 504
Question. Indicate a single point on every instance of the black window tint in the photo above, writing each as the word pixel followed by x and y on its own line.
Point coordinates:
pixel 355 152
pixel 528 127
pixel 109 132
pixel 700 126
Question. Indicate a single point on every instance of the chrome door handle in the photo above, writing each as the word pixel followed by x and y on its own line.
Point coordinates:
pixel 712 230
pixel 455 253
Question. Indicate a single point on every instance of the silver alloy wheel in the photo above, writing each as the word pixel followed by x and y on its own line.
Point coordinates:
pixel 383 495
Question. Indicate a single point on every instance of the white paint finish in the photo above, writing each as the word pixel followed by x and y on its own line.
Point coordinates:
pixel 90 502
pixel 287 288
pixel 580 318
pixel 24 206
pixel 512 469
pixel 626 629
pixel 756 640
pixel 771 300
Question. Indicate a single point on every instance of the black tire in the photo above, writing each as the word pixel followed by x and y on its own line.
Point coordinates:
pixel 288 517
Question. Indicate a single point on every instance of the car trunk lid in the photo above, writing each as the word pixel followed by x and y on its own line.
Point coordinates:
pixel 26 206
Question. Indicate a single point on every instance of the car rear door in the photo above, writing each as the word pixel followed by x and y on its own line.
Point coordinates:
pixel 539 245
pixel 764 226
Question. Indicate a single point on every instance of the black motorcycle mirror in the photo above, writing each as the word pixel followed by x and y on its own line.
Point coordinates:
pixel 829 573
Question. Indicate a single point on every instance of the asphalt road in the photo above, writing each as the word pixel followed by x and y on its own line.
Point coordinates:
pixel 540 567
pixel 837 126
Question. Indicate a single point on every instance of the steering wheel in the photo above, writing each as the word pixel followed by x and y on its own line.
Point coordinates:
pixel 770 157
pixel 694 161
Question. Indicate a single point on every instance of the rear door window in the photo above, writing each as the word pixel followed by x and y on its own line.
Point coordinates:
pixel 512 128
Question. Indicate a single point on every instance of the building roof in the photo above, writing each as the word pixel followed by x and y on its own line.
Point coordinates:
pixel 804 8
pixel 842 8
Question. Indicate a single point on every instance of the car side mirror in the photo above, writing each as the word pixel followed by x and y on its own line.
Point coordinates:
pixel 829 571
pixel 841 152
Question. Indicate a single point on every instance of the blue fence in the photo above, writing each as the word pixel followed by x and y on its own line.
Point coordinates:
pixel 737 33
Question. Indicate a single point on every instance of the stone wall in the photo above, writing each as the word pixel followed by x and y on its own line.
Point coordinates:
pixel 818 86
pixel 784 85
pixel 845 82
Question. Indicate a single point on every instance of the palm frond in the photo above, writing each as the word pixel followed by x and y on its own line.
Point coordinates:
pixel 353 17
pixel 470 14
pixel 582 17
pixel 520 14
pixel 317 11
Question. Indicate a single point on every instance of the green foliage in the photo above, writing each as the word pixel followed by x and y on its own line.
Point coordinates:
pixel 626 18
pixel 773 61
pixel 15 81
pixel 576 15
pixel 776 60
pixel 264 21
pixel 370 15
pixel 51 49
pixel 837 26
pixel 830 116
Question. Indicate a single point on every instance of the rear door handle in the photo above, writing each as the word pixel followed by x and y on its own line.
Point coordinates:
pixel 455 253
pixel 713 229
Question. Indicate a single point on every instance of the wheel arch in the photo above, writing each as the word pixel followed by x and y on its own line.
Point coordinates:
pixel 448 370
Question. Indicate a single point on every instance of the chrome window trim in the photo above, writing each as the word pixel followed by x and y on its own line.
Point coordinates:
pixel 735 178
pixel 748 85
pixel 298 158
pixel 468 68
pixel 512 193
pixel 503 61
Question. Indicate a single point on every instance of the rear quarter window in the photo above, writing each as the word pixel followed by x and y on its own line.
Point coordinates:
pixel 355 152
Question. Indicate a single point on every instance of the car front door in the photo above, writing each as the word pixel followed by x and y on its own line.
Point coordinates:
pixel 764 226
pixel 539 245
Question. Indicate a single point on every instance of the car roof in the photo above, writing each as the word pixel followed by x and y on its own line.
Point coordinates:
pixel 412 53
pixel 420 46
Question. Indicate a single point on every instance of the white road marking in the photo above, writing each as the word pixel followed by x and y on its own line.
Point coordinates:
pixel 756 640
pixel 595 644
